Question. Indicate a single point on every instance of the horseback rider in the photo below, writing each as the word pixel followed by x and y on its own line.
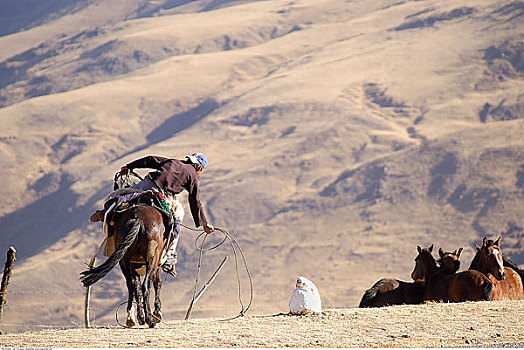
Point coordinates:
pixel 171 176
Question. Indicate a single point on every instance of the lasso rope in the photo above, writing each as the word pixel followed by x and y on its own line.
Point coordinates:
pixel 235 246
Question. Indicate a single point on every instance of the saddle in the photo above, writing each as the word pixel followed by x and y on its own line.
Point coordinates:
pixel 122 203
pixel 123 200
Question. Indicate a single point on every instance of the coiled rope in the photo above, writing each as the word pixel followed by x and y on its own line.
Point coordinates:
pixel 236 251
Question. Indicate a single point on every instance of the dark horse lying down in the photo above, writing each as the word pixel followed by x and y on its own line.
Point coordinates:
pixel 139 234
pixel 389 291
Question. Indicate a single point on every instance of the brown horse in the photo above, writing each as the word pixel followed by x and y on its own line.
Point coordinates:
pixel 507 283
pixel 389 291
pixel 449 262
pixel 463 286
pixel 139 233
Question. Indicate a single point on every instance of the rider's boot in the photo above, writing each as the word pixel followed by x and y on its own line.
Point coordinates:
pixel 171 258
pixel 97 216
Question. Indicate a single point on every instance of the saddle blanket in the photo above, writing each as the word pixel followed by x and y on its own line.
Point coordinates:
pixel 123 199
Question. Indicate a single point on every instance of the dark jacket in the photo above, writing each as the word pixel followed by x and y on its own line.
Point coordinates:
pixel 173 176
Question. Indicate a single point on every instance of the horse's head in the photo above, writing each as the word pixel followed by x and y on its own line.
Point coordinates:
pixel 490 258
pixel 424 264
pixel 449 261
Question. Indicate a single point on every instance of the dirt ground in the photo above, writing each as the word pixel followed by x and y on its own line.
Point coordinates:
pixel 429 325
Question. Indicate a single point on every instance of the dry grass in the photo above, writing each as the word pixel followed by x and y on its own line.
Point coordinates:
pixel 429 325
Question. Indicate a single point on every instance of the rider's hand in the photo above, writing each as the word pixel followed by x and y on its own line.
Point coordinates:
pixel 124 170
pixel 209 228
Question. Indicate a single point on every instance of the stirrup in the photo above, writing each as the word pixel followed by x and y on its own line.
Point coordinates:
pixel 169 269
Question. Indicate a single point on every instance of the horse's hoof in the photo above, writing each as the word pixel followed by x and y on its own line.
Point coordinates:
pixel 157 315
pixel 153 325
pixel 130 322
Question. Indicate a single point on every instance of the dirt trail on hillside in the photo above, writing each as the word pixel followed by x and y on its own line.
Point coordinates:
pixel 428 325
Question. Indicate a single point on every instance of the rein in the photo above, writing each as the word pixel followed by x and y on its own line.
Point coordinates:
pixel 120 181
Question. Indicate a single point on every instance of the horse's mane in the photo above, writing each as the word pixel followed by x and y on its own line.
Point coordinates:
pixel 509 263
pixel 433 261
pixel 475 262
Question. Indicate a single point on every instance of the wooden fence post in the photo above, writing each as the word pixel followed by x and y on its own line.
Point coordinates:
pixel 11 258
pixel 87 298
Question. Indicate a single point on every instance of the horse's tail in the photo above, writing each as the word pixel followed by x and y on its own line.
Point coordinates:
pixel 92 276
pixel 369 296
pixel 487 291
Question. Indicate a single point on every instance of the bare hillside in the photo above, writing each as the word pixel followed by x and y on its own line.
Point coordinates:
pixel 340 135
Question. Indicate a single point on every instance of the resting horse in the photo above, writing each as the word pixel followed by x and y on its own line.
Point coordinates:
pixel 466 285
pixel 508 263
pixel 449 262
pixel 139 233
pixel 388 291
pixel 507 283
